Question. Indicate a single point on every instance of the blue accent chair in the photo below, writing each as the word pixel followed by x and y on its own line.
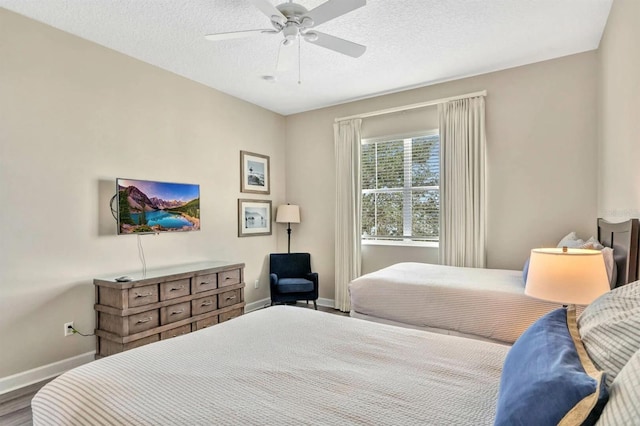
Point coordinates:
pixel 291 278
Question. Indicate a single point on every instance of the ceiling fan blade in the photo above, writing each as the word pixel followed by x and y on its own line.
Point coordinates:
pixel 339 45
pixel 332 9
pixel 268 9
pixel 238 34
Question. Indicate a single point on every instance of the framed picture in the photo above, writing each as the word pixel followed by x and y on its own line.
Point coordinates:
pixel 254 217
pixel 254 175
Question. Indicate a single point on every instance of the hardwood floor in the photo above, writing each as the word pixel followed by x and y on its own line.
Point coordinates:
pixel 322 308
pixel 15 407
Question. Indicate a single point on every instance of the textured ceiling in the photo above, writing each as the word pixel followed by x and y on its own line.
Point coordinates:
pixel 410 43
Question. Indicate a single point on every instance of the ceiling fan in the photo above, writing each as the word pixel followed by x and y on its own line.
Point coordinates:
pixel 294 21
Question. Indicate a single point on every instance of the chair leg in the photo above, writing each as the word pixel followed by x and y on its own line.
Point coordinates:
pixel 315 306
pixel 307 302
pixel 272 303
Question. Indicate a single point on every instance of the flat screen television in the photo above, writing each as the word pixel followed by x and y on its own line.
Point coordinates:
pixel 152 207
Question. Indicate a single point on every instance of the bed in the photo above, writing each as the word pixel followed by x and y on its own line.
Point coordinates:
pixel 287 365
pixel 485 304
pixel 283 365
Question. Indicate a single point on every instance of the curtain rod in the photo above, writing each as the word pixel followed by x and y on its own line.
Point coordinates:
pixel 412 106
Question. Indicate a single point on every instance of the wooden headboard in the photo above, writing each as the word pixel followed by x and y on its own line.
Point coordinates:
pixel 623 238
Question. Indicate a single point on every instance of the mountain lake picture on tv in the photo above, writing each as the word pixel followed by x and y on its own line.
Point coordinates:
pixel 152 207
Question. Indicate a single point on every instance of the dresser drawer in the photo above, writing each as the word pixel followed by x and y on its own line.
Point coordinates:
pixel 125 326
pixel 179 331
pixel 228 298
pixel 205 282
pixel 173 289
pixel 174 313
pixel 143 321
pixel 230 315
pixel 145 295
pixel 204 323
pixel 229 278
pixel 204 304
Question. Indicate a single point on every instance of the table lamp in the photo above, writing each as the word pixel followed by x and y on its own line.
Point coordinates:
pixel 566 276
pixel 288 214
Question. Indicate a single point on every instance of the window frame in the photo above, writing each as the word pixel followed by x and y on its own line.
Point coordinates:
pixel 406 191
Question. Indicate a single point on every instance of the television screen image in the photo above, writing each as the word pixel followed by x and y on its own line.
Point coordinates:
pixel 151 207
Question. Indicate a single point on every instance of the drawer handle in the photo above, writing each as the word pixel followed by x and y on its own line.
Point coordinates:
pixel 177 312
pixel 177 288
pixel 230 297
pixel 144 294
pixel 143 320
pixel 205 282
pixel 228 278
pixel 206 303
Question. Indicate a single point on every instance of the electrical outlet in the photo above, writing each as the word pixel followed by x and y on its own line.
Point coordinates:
pixel 68 326
pixel 256 284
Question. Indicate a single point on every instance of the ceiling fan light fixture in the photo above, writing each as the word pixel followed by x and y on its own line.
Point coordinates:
pixel 290 32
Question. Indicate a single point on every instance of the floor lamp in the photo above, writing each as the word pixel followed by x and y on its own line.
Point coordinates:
pixel 288 214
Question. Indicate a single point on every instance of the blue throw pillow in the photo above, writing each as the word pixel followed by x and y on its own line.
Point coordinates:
pixel 548 378
pixel 525 270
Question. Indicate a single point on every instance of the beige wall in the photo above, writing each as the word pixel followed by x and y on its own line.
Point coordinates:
pixel 73 117
pixel 542 157
pixel 619 99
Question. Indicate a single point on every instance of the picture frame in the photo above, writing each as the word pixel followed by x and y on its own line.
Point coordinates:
pixel 254 173
pixel 254 217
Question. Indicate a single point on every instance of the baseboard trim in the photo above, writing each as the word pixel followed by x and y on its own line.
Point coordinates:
pixel 263 303
pixel 39 374
pixel 258 304
pixel 327 303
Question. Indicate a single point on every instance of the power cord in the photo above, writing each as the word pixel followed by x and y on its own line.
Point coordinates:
pixel 77 332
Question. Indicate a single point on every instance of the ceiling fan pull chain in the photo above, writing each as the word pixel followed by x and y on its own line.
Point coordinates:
pixel 275 72
pixel 299 60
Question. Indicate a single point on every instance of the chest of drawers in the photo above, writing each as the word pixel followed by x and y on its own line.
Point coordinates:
pixel 165 303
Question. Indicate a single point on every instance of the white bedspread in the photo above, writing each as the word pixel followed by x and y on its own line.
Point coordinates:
pixel 284 365
pixel 489 303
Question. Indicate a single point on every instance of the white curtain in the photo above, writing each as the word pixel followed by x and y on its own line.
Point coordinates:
pixel 348 201
pixel 462 183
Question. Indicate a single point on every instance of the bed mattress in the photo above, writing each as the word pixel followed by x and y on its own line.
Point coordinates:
pixel 485 303
pixel 284 365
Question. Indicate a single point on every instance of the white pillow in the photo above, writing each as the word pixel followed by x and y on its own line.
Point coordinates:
pixel 623 407
pixel 610 265
pixel 592 243
pixel 571 240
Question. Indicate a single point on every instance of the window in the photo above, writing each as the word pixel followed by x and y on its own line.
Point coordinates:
pixel 401 188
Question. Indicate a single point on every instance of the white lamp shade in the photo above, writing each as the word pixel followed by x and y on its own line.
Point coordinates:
pixel 574 276
pixel 288 213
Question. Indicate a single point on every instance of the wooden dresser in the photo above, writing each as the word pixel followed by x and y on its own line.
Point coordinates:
pixel 165 303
